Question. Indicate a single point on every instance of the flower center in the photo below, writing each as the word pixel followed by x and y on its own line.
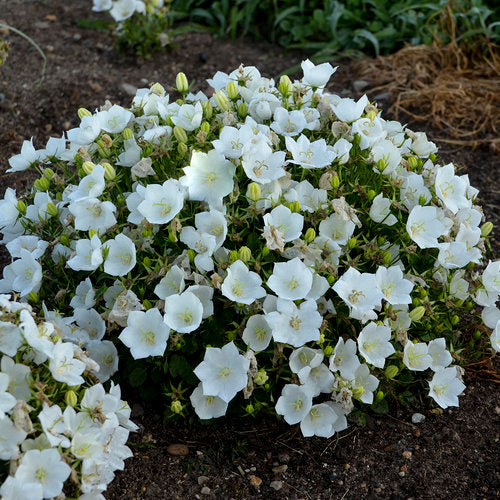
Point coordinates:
pixel 148 336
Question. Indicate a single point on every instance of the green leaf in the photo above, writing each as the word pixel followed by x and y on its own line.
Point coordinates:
pixel 138 376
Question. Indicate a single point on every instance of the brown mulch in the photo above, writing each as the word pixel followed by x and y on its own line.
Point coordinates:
pixel 453 455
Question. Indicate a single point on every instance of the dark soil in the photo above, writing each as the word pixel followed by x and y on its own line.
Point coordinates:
pixel 453 455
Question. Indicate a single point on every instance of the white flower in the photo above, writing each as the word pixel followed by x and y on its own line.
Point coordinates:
pixel 84 297
pixel 88 256
pixel 347 110
pixel 380 211
pixel 25 158
pixel 441 357
pixel 229 143
pixel 365 382
pixel 290 280
pixel 424 227
pixel 8 208
pixel 369 131
pixel 281 219
pixel 16 489
pixel 445 387
pixel 374 344
pixel 146 334
pixel 342 149
pixel 10 338
pixel 214 223
pixel 121 256
pixel 317 75
pixel 87 132
pixel 28 273
pixel 261 164
pixel 183 313
pixel 45 467
pixel 7 400
pixel 19 378
pixel 391 283
pixel 451 189
pixel 310 198
pixel 413 189
pixel 32 243
pixel 52 421
pixel 336 228
pixel 123 9
pixel 293 325
pixel 203 243
pixel 90 213
pixel 317 379
pixel 115 119
pixel 172 283
pixel 63 366
pixel 389 156
pixel 91 186
pixel 319 421
pixel 90 321
pixel 305 356
pixel 10 438
pixel 491 276
pixel 188 116
pixel 161 202
pixel 205 294
pixel 223 372
pixel 416 356
pixel 421 146
pixel 242 285
pixel 105 354
pixel 309 154
pixel 257 333
pixel 294 403
pixel 288 123
pixel 344 358
pixel 125 302
pixel 209 177
pixel 207 406
pixel 490 316
pixel 495 337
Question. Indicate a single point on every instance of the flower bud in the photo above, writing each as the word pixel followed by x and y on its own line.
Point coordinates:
pixel 379 396
pixel 254 191
pixel 147 304
pixel 222 101
pixel 335 182
pixel 33 297
pixel 371 194
pixel 70 398
pixel 380 241
pixel 205 127
pixel 42 184
pixel 87 167
pixel 413 162
pixel 265 251
pixel 391 371
pixel 477 334
pixel 127 134
pixel 328 350
pixel 182 149
pixel 52 209
pixel 147 261
pixel 21 206
pixel 416 301
pixel 109 171
pixel 352 243
pixel 92 233
pixel 381 165
pixel 310 235
pixel 181 82
pixel 371 115
pixel 432 157
pixel 261 377
pixel 250 409
pixel 387 258
pixel 486 229
pixel 244 254
pixel 233 256
pixel 294 206
pixel 180 134
pixel 83 112
pixel 331 279
pixel 49 173
pixel 357 392
pixel 285 85
pixel 107 141
pixel 242 110
pixel 64 240
pixel 157 89
pixel 232 90
pixel 176 406
pixel 417 313
pixel 455 320
pixel 207 109
pixel 191 254
pixel 422 200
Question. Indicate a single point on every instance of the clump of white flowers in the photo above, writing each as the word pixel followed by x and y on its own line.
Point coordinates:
pixel 277 245
pixel 59 428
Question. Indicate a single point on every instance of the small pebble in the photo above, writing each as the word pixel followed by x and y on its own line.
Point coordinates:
pixel 280 469
pixel 202 480
pixel 402 474
pixel 255 481
pixel 417 418
pixel 406 454
pixel 359 85
pixel 128 89
pixel 276 485
pixel 205 490
pixel 178 450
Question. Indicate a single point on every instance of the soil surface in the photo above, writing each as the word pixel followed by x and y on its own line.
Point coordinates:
pixel 450 455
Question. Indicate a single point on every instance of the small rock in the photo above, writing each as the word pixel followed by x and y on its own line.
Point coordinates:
pixel 128 89
pixel 77 37
pixel 205 490
pixel 276 485
pixel 255 481
pixel 280 469
pixel 359 85
pixel 417 418
pixel 406 454
pixel 202 57
pixel 41 25
pixel 178 450
pixel 382 97
pixel 2 97
pixel 402 474
pixel 284 458
pixel 202 480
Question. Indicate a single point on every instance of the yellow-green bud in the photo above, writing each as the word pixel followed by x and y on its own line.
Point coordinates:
pixel 371 194
pixel 387 258
pixel 380 241
pixel 381 165
pixel 250 409
pixel 244 254
pixel 432 157
pixel 321 339
pixel 127 134
pixel 294 206
pixel 92 232
pixel 222 101
pixel 331 279
pixel 477 334
pixel 87 167
pixel 455 320
pixel 379 396
pixel 181 82
pixel 233 256
pixel 33 297
pixel 261 377
pixel 232 90
pixel 182 148
pixel 335 182
pixel 52 209
pixel 371 115
pixel 391 371
pixel 357 392
pixel 191 254
pixel 328 350
pixel 417 313
pixel 242 110
pixel 146 261
pixel 147 304
pixel 21 206
pixel 285 85
pixel 254 191
pixel 423 293
pixel 70 398
pixel 180 134
pixel 157 89
pixel 176 406
pixel 422 200
pixel 207 109
pixel 205 127
pixel 413 162
pixel 109 171
pixel 64 240
pixel 265 251
pixel 486 229
pixel 83 112
pixel 310 235
pixel 48 173
pixel 42 184
pixel 352 243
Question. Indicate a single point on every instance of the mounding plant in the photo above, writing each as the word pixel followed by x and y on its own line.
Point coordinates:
pixel 278 249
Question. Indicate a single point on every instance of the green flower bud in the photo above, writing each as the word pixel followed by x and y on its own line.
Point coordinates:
pixel 335 182
pixel 109 171
pixel 87 167
pixel 331 279
pixel 180 134
pixel 207 109
pixel 357 392
pixel 176 406
pixel 182 149
pixel 417 313
pixel 222 101
pixel 455 320
pixel 371 194
pixel 83 112
pixel 191 254
pixel 387 258
pixel 48 173
pixel 294 206
pixel 416 301
pixel 70 398
pixel 432 157
pixel 205 127
pixel 381 165
pixel 242 110
pixel 422 293
pixel 232 90
pixel 422 200
pixel 52 209
pixel 371 115
pixel 391 371
pixel 157 89
pixel 92 232
pixel 352 243
pixel 250 409
pixel 127 134
pixel 244 254
pixel 21 206
pixel 147 261
pixel 486 229
pixel 102 149
pixel 254 191
pixel 413 162
pixel 147 304
pixel 233 256
pixel 265 251
pixel 310 235
pixel 42 184
pixel 261 377
pixel 477 334
pixel 285 85
pixel 181 82
pixel 64 240
pixel 328 350
pixel 379 396
pixel 380 241
pixel 33 297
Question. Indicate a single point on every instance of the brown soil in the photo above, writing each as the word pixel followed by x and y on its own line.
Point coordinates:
pixel 453 455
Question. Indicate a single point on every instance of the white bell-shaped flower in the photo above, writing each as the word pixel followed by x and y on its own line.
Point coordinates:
pixel 290 280
pixel 121 257
pixel 184 312
pixel 257 333
pixel 207 407
pixel 242 285
pixel 161 202
pixel 319 421
pixel 294 403
pixel 374 343
pixel 445 387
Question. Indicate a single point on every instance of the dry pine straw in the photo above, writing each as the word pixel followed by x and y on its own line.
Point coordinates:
pixel 446 87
